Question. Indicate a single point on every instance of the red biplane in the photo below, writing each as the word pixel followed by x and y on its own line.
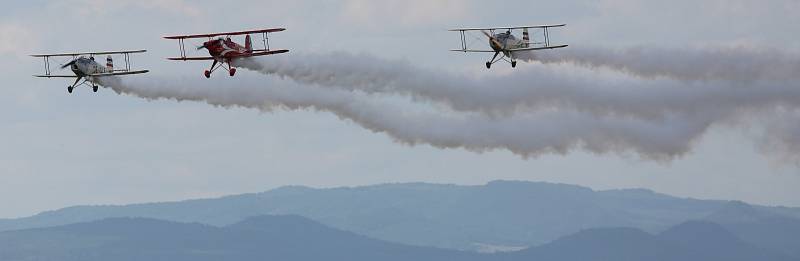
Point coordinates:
pixel 224 50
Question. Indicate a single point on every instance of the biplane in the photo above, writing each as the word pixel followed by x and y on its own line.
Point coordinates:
pixel 85 68
pixel 506 43
pixel 224 50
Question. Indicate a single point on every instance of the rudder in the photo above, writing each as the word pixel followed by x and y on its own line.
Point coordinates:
pixel 109 64
pixel 526 38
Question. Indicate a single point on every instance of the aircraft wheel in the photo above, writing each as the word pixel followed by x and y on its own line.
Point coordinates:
pixel 94 88
pixel 514 64
pixel 69 89
pixel 233 71
pixel 207 74
pixel 488 65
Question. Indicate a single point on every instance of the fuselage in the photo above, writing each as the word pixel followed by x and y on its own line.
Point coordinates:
pixel 87 66
pixel 224 50
pixel 508 41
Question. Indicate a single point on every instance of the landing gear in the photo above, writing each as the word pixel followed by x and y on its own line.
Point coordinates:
pixel 490 62
pixel 225 65
pixel 72 87
pixel 207 73
pixel 513 64
pixel 94 88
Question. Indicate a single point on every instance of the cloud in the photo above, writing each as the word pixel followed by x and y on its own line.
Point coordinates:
pixel 103 7
pixel 392 13
pixel 18 40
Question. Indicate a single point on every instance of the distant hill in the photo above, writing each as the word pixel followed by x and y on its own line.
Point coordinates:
pixel 297 238
pixel 693 240
pixel 763 229
pixel 259 238
pixel 500 214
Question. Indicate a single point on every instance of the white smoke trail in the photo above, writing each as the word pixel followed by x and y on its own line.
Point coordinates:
pixel 744 64
pixel 597 106
pixel 538 86
pixel 527 135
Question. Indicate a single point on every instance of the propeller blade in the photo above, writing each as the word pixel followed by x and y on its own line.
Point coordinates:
pixel 491 38
pixel 68 64
pixel 201 47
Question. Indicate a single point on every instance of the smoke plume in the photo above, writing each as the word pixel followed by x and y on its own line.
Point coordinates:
pixel 527 135
pixel 602 90
pixel 645 101
pixel 741 64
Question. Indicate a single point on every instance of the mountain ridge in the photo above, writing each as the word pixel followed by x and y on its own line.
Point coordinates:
pixel 500 213
pixel 292 237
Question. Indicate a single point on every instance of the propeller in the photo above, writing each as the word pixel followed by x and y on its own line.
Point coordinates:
pixel 201 47
pixel 68 64
pixel 491 38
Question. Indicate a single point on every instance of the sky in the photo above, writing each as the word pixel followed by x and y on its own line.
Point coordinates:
pixel 59 149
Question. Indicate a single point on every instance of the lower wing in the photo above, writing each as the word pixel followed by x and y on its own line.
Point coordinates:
pixel 537 48
pixel 118 73
pixel 510 50
pixel 473 51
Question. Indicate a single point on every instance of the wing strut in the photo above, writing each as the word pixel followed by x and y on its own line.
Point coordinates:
pixel 46 65
pixel 182 47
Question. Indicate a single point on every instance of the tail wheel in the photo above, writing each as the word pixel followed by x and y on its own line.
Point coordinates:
pixel 207 74
pixel 69 89
pixel 94 88
pixel 488 65
pixel 514 64
pixel 233 71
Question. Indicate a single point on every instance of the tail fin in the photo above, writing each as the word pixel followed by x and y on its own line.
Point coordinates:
pixel 109 64
pixel 526 38
pixel 248 44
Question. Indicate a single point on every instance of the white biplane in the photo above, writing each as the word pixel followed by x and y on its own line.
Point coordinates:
pixel 85 68
pixel 506 43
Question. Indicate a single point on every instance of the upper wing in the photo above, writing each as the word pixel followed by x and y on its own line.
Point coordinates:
pixel 537 48
pixel 118 73
pixel 88 53
pixel 508 27
pixel 271 30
